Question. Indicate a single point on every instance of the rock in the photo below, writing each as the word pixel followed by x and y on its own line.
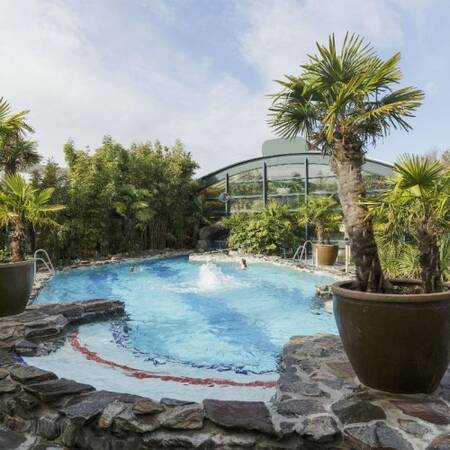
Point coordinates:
pixel 3 373
pixel 11 440
pixel 47 426
pixel 69 433
pixel 84 408
pixel 127 421
pixel 51 390
pixel 252 416
pixel 300 407
pixel 435 412
pixel 110 413
pixel 375 436
pixel 442 442
pixel 27 401
pixel 7 386
pixel 324 291
pixel 7 359
pixel 341 369
pixel 174 402
pixel 320 429
pixel 30 374
pixel 25 347
pixel 44 328
pixel 186 417
pixel 211 237
pixel 354 410
pixel 412 427
pixel 146 406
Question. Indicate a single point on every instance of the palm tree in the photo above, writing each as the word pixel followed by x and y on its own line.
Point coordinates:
pixel 418 204
pixel 15 151
pixel 20 205
pixel 342 101
pixel 322 213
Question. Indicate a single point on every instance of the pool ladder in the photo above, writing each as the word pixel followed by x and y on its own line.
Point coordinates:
pixel 302 250
pixel 48 264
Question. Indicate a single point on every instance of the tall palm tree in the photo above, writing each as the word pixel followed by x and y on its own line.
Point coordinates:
pixel 342 101
pixel 20 205
pixel 16 152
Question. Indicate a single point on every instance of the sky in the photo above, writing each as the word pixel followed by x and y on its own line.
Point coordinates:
pixel 201 70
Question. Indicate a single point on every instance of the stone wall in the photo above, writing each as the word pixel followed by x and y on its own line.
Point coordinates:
pixel 318 403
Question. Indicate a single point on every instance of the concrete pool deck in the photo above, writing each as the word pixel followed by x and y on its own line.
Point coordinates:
pixel 318 404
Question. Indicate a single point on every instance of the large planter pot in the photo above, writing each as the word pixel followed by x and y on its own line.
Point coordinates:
pixel 325 254
pixel 16 282
pixel 395 343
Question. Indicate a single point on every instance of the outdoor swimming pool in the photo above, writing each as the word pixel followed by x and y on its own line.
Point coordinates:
pixel 197 325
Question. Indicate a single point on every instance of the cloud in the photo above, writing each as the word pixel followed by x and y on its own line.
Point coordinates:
pixel 86 69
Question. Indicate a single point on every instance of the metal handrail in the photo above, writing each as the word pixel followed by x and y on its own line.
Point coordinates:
pixel 48 265
pixel 303 252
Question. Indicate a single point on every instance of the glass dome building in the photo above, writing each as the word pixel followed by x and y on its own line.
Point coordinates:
pixel 286 172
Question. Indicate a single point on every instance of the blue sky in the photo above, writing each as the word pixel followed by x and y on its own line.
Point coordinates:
pixel 200 70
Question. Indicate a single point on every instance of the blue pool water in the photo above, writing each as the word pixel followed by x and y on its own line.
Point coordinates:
pixel 210 316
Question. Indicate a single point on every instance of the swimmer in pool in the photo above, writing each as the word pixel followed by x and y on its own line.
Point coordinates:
pixel 133 269
pixel 243 263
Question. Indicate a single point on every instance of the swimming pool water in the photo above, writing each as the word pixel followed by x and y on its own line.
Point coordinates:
pixel 207 316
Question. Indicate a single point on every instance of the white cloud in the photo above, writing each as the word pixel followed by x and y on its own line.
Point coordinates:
pixel 85 71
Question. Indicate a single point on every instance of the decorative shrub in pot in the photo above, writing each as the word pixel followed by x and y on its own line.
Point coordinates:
pixel 323 214
pixel 342 101
pixel 20 205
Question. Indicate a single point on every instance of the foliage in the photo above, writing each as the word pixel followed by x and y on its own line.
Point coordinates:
pixel 323 214
pixel 262 232
pixel 20 205
pixel 121 200
pixel 16 152
pixel 343 100
pixel 416 209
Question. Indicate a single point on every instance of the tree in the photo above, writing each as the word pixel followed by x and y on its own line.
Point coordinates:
pixel 322 213
pixel 418 207
pixel 20 204
pixel 15 151
pixel 343 101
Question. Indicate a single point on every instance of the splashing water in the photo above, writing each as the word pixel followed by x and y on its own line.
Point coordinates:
pixel 211 278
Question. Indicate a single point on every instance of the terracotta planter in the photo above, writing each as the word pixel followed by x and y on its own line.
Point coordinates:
pixel 395 343
pixel 325 254
pixel 16 282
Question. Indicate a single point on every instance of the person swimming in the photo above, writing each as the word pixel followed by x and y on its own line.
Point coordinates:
pixel 243 263
pixel 133 269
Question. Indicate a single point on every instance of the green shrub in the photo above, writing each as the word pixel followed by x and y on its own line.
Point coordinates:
pixel 262 232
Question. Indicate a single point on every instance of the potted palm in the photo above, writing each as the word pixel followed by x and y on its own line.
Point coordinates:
pixel 20 205
pixel 323 214
pixel 396 334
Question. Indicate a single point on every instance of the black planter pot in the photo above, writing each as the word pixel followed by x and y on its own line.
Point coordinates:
pixel 395 343
pixel 16 282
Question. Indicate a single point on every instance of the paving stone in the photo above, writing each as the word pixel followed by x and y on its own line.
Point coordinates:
pixel 355 410
pixel 186 417
pixel 51 390
pixel 436 412
pixel 321 429
pixel 253 416
pixel 412 427
pixel 441 442
pixel 30 374
pixel 300 407
pixel 375 436
pixel 146 406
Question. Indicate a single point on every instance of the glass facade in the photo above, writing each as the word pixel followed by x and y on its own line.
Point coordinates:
pixel 287 179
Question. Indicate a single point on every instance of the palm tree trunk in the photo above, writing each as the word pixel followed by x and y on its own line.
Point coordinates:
pixel 429 258
pixel 319 232
pixel 346 163
pixel 17 239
